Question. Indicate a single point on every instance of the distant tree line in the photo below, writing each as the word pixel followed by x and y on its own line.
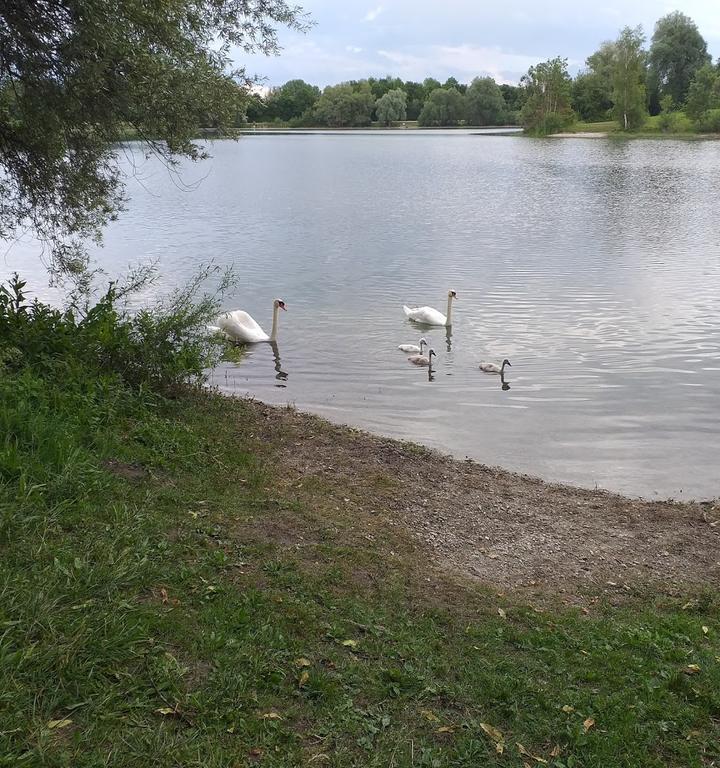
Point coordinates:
pixel 387 100
pixel 674 79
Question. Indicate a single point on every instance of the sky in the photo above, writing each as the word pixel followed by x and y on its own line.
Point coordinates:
pixel 415 39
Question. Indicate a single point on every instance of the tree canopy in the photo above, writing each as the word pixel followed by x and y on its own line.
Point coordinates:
pixel 548 89
pixel 677 51
pixel 345 105
pixel 444 106
pixel 76 74
pixel 484 102
pixel 391 106
pixel 628 78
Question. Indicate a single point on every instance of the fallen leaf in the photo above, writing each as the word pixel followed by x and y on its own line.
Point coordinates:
pixel 555 751
pixel 255 752
pixel 429 715
pixel 691 669
pixel 302 662
pixel 588 724
pixel 586 611
pixel 446 729
pixel 693 735
pixel 492 732
pixel 59 723
pixel 525 753
pixel 304 677
pixel 350 643
pixel 705 630
pixel 502 613
pixel 166 711
pixel 567 708
pixel 164 596
pixel 271 716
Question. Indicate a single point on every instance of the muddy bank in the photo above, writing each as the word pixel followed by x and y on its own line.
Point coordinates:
pixel 508 530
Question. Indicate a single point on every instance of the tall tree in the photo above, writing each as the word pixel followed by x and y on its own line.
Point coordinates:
pixel 592 88
pixel 75 74
pixel 514 97
pixel 677 51
pixel 548 90
pixel 452 82
pixel 628 79
pixel 415 99
pixel 345 105
pixel 484 103
pixel 391 106
pixel 291 100
pixel 445 106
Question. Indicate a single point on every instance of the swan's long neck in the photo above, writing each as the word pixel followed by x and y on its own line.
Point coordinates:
pixel 449 310
pixel 273 332
pixel 502 369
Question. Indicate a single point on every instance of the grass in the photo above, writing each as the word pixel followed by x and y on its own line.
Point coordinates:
pixel 171 596
pixel 677 125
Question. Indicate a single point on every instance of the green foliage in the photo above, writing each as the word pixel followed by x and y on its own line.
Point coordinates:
pixel 345 105
pixel 391 106
pixel 160 348
pixel 74 74
pixel 484 103
pixel 709 122
pixel 677 52
pixel 548 91
pixel 292 100
pixel 628 79
pixel 443 107
pixel 591 96
pixel 704 92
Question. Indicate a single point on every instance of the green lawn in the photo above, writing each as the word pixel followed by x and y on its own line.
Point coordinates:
pixel 171 596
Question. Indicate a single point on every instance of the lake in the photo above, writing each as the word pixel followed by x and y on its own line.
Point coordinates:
pixel 593 265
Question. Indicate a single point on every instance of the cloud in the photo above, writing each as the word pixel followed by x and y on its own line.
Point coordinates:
pixel 353 49
pixel 373 13
pixel 465 61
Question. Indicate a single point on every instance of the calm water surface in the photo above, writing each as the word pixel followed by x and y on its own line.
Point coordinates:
pixel 593 265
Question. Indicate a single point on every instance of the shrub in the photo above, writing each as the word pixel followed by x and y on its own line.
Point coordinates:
pixel 709 122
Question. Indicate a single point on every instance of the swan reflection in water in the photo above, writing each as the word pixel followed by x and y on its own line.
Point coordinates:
pixel 503 384
pixel 448 338
pixel 281 376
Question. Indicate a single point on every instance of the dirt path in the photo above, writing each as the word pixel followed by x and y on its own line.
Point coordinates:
pixel 508 530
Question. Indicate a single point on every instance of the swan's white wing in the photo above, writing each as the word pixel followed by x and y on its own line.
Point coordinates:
pixel 489 368
pixel 425 315
pixel 409 348
pixel 241 327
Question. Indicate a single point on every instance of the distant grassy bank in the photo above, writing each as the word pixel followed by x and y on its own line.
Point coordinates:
pixel 192 580
pixel 677 125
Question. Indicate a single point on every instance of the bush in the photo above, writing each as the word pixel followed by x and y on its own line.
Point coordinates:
pixel 159 348
pixel 709 122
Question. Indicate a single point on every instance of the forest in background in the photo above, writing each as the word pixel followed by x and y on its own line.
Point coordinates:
pixel 671 85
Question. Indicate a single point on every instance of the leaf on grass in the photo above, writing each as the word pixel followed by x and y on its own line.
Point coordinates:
pixel 304 677
pixel 555 751
pixel 496 735
pixel 271 716
pixel 502 613
pixel 302 662
pixel 166 711
pixel 54 724
pixel 164 596
pixel 525 753
pixel 705 630
pixel 691 669
pixel 256 752
pixel 567 708
pixel 429 715
pixel 350 644
pixel 588 724
pixel 446 729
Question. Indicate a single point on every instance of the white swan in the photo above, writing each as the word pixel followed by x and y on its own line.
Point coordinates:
pixel 413 348
pixel 422 359
pixel 239 326
pixel 493 368
pixel 429 315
